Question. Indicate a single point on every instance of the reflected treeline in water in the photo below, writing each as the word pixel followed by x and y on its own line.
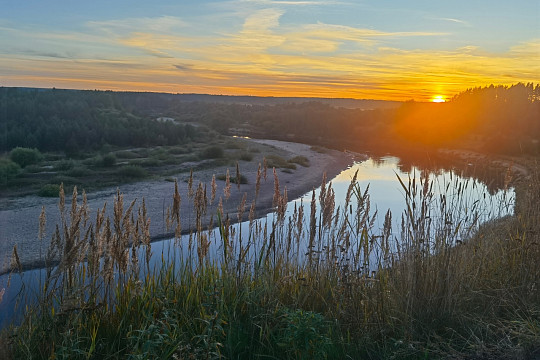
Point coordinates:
pixel 494 178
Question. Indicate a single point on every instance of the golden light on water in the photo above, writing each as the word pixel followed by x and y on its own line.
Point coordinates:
pixel 438 99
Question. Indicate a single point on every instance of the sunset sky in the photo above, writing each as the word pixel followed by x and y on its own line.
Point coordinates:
pixel 392 50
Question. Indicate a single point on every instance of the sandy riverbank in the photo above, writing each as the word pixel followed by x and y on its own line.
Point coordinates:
pixel 19 218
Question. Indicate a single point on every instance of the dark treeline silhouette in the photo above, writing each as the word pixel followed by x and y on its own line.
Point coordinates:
pixel 493 119
pixel 498 119
pixel 73 121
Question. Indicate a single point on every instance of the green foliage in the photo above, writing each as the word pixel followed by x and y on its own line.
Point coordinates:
pixel 73 121
pixel 108 160
pixel 49 190
pixel 245 156
pixel 132 172
pixel 304 335
pixel 212 152
pixel 8 170
pixel 64 165
pixel 25 156
pixel 79 171
pixel 300 160
pixel 276 161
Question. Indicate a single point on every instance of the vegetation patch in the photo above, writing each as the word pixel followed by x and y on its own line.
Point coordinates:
pixel 276 161
pixel 245 156
pixel 25 156
pixel 79 171
pixel 108 160
pixel 132 172
pixel 49 190
pixel 8 170
pixel 300 160
pixel 64 165
pixel 319 149
pixel 212 152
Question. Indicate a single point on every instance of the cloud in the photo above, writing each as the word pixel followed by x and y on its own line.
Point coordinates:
pixel 119 27
pixel 182 67
pixel 453 20
pixel 262 54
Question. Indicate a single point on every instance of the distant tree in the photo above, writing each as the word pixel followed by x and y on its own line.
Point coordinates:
pixel 25 156
pixel 8 170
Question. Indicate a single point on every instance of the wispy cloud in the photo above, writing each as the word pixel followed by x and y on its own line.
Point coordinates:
pixel 161 24
pixel 262 54
pixel 452 20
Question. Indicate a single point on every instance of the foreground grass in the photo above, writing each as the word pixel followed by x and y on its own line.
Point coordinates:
pixel 345 292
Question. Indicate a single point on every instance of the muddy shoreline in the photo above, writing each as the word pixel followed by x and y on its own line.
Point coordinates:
pixel 19 218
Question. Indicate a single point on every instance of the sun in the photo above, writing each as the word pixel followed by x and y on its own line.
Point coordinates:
pixel 438 99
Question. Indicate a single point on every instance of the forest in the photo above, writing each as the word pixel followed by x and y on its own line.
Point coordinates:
pixel 499 119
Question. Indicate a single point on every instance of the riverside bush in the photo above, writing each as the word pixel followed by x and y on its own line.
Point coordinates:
pixel 25 156
pixel 8 170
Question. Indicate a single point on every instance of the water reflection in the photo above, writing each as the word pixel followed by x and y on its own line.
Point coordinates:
pixel 464 195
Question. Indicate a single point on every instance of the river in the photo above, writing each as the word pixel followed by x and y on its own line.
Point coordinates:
pixel 467 200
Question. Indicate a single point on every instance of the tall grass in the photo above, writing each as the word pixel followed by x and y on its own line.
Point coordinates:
pixel 322 283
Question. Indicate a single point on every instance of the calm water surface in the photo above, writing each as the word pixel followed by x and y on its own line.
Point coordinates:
pixel 386 193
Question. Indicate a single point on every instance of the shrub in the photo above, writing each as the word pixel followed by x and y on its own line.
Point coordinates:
pixel 246 156
pixel 212 152
pixel 279 162
pixel 149 162
pixel 25 156
pixel 177 150
pixel 108 160
pixel 49 190
pixel 33 169
pixel 79 171
pixel 127 154
pixel 8 170
pixel 319 149
pixel 132 172
pixel 300 160
pixel 64 165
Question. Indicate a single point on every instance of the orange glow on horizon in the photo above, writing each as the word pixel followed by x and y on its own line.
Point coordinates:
pixel 438 99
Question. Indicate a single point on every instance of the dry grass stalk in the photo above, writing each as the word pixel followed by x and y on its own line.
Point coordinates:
pixel 258 181
pixel 176 202
pixel 252 213
pixel 277 196
pixel 220 206
pixel 238 176
pixel 62 200
pixel 328 205
pixel 42 223
pixel 15 260
pixel 312 227
pixel 242 207
pixel 190 184
pixel 214 189
pixel 227 188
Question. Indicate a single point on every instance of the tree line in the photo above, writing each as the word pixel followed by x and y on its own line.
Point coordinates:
pixel 504 119
pixel 73 121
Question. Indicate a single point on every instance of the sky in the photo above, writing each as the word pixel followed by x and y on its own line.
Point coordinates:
pixel 388 50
